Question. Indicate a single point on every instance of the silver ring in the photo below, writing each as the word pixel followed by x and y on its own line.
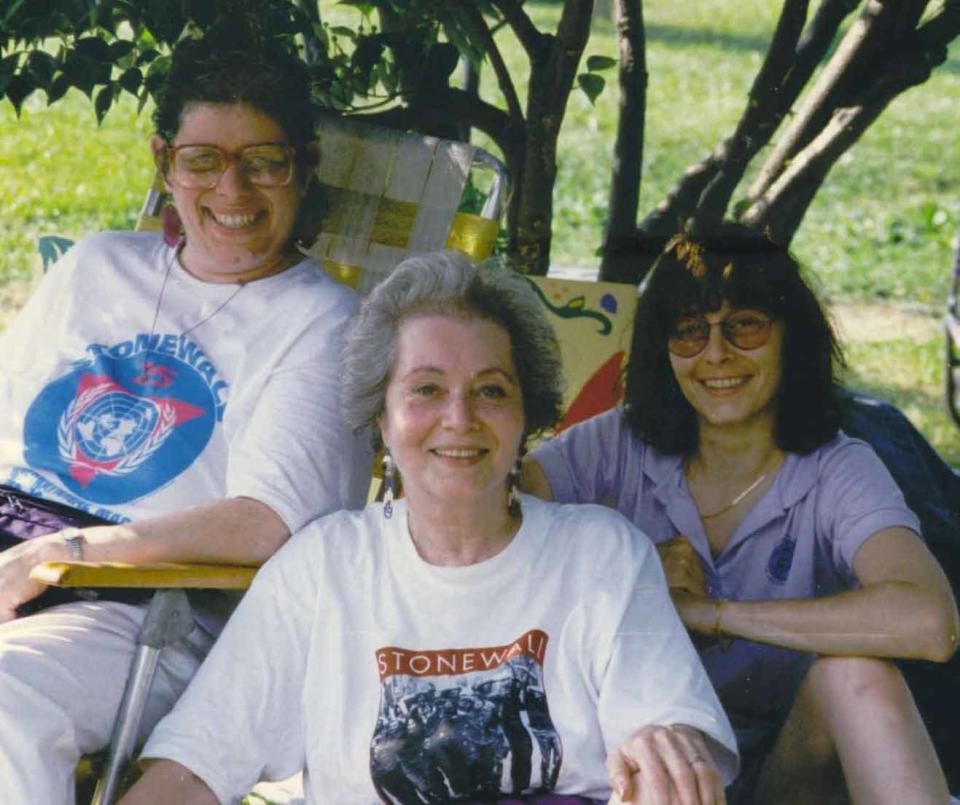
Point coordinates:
pixel 697 759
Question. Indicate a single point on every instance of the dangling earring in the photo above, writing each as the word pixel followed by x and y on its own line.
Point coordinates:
pixel 513 490
pixel 171 226
pixel 389 485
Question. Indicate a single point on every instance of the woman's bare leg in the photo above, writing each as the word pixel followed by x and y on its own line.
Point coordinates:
pixel 853 734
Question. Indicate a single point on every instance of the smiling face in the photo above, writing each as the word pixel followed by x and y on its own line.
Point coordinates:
pixel 728 386
pixel 453 415
pixel 235 231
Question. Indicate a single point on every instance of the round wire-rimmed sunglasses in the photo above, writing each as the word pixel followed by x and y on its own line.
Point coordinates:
pixel 201 166
pixel 745 329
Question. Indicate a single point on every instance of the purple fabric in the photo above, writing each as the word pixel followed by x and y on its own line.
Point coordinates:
pixel 798 542
pixel 24 517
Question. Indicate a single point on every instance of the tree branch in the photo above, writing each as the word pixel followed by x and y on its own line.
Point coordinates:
pixel 531 39
pixel 504 81
pixel 681 202
pixel 626 175
pixel 446 107
pixel 937 32
pixel 843 74
pixel 812 48
pixel 765 109
pixel 782 207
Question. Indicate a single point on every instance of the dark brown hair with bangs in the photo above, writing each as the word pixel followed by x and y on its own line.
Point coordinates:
pixel 697 274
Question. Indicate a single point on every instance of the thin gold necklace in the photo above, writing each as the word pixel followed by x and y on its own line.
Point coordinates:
pixel 205 319
pixel 753 485
pixel 736 500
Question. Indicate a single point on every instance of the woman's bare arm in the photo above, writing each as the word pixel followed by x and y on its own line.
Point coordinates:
pixel 233 531
pixel 533 480
pixel 168 783
pixel 904 608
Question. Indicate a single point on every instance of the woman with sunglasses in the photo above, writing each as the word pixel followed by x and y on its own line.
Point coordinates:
pixel 789 551
pixel 168 399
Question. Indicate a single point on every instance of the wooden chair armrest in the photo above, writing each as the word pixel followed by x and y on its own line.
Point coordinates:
pixel 117 574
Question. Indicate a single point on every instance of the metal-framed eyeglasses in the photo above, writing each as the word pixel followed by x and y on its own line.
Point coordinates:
pixel 201 166
pixel 745 329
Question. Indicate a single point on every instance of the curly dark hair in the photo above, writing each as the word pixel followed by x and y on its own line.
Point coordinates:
pixel 233 63
pixel 448 283
pixel 742 266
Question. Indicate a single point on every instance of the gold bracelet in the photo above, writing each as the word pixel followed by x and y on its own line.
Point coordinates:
pixel 722 639
pixel 717 615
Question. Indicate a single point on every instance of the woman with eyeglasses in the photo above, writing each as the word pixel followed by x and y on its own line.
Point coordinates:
pixel 789 551
pixel 168 397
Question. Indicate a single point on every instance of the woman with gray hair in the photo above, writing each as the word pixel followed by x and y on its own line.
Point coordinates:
pixel 463 642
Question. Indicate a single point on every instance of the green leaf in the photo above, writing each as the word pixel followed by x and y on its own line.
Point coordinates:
pixel 93 48
pixel 142 99
pixel 41 66
pixel 147 55
pixel 131 79
pixel 156 73
pixel 81 73
pixel 119 49
pixel 367 54
pixel 19 87
pixel 597 63
pixel 11 11
pixel 591 84
pixel 104 101
pixel 7 67
pixel 342 30
pixel 58 88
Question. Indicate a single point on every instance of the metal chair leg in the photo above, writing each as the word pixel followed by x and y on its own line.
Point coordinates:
pixel 168 619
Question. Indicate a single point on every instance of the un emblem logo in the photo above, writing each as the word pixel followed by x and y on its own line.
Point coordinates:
pixel 115 425
pixel 117 428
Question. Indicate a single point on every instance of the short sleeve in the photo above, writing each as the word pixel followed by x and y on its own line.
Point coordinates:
pixel 295 452
pixel 858 498
pixel 582 463
pixel 241 718
pixel 652 673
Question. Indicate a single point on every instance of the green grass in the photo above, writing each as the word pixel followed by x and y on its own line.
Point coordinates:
pixel 910 375
pixel 881 228
pixel 61 174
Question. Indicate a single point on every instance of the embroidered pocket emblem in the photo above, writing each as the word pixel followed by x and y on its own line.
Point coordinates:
pixel 778 568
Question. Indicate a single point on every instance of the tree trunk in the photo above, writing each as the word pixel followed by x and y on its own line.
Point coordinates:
pixel 554 62
pixel 627 174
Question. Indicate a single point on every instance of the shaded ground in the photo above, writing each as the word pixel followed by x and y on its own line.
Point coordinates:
pixel 873 322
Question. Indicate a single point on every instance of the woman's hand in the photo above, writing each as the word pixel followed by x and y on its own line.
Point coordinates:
pixel 16 586
pixel 682 566
pixel 665 766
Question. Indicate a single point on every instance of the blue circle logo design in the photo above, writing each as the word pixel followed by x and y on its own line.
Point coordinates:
pixel 781 559
pixel 114 425
pixel 117 428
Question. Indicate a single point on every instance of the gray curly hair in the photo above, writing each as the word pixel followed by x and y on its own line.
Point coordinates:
pixel 448 283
